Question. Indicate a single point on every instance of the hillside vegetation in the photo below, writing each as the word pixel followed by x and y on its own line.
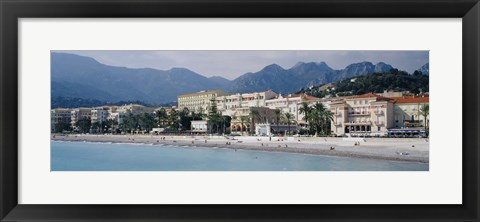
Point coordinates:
pixel 394 80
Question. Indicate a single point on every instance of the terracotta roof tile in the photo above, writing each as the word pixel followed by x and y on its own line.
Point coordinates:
pixel 411 99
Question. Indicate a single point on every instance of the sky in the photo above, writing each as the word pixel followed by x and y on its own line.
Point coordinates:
pixel 234 63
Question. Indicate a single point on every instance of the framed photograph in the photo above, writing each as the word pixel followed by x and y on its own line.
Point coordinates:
pixel 226 110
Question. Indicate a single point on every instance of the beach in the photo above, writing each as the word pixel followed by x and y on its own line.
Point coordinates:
pixel 398 149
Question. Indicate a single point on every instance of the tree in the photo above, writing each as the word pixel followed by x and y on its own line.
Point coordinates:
pixel 129 123
pixel 83 125
pixel 62 126
pixel 161 115
pixel 320 119
pixel 185 118
pixel 225 122
pixel 97 126
pixel 112 124
pixel 243 120
pixel 424 111
pixel 328 118
pixel 254 116
pixel 288 119
pixel 305 110
pixel 173 119
pixel 214 119
pixel 146 122
pixel 278 117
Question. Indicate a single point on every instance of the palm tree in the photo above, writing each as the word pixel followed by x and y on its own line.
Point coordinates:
pixel 328 118
pixel 305 109
pixel 162 116
pixel 243 120
pixel 112 124
pixel 288 119
pixel 278 117
pixel 147 122
pixel 173 119
pixel 254 115
pixel 320 119
pixel 424 111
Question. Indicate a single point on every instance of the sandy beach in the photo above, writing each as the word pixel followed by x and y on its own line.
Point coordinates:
pixel 399 149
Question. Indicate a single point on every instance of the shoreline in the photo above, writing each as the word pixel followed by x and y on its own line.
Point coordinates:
pixel 417 149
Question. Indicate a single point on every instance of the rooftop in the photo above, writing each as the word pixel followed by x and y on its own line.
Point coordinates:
pixel 411 99
pixel 201 93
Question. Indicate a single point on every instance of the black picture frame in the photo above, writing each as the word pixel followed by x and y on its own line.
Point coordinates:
pixel 12 10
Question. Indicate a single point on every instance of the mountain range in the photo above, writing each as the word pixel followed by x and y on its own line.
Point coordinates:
pixel 75 76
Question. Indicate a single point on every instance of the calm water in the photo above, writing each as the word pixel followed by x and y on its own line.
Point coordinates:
pixel 82 156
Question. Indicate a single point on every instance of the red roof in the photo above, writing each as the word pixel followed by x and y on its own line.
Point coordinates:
pixel 411 99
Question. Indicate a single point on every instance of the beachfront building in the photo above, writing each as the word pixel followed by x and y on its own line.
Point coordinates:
pixel 79 114
pixel 134 109
pixel 228 105
pixel 244 122
pixel 291 104
pixel 199 126
pixel 199 102
pixel 367 114
pixel 268 129
pixel 407 111
pixel 59 115
pixel 116 116
pixel 99 115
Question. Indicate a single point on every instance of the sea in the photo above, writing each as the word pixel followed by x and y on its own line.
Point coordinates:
pixel 88 156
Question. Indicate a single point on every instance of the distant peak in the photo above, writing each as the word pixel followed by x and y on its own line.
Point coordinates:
pixel 273 67
pixel 178 69
pixel 310 63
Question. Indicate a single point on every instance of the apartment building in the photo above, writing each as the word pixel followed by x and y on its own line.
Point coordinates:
pixel 367 114
pixel 199 102
pixel 99 115
pixel 59 115
pixel 291 104
pixel 407 111
pixel 79 114
pixel 228 105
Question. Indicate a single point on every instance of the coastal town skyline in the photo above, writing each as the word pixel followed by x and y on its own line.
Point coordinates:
pixel 231 64
pixel 355 118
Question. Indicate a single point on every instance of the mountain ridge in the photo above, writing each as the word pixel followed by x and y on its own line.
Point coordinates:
pixel 89 79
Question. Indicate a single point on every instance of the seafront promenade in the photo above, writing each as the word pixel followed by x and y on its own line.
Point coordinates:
pixel 400 149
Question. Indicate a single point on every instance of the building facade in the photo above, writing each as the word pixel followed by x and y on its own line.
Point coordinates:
pixel 244 121
pixel 230 105
pixel 291 104
pixel 99 115
pixel 59 115
pixel 79 114
pixel 408 111
pixel 199 102
pixel 367 114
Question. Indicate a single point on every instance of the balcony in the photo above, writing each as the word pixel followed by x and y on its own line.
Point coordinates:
pixel 358 123
pixel 359 113
pixel 379 123
pixel 379 112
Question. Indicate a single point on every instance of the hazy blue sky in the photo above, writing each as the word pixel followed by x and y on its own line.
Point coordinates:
pixel 231 64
